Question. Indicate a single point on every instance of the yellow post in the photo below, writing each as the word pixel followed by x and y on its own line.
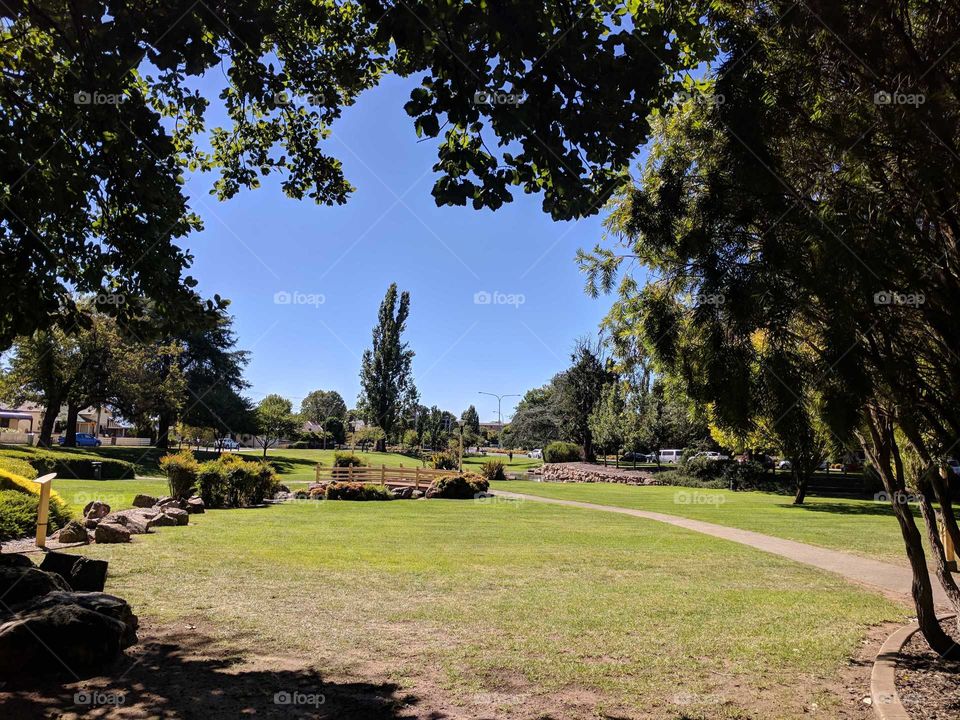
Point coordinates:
pixel 417 479
pixel 383 473
pixel 43 511
pixel 949 550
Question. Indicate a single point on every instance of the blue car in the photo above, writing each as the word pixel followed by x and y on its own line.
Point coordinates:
pixel 83 440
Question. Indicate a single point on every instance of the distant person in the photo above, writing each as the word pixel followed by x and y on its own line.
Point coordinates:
pixel 510 455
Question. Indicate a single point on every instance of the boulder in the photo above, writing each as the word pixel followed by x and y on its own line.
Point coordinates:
pixel 135 520
pixel 23 584
pixel 417 494
pixel 15 560
pixel 81 573
pixel 177 514
pixel 91 523
pixel 59 637
pixel 162 520
pixel 195 506
pixel 72 532
pixel 404 493
pixel 88 574
pixel 95 510
pixel 282 488
pixel 101 602
pixel 107 532
pixel 170 502
pixel 144 501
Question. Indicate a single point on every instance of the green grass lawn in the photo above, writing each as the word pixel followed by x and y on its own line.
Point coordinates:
pixel 118 494
pixel 519 464
pixel 866 527
pixel 558 611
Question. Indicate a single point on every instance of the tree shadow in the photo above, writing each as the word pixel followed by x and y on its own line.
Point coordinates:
pixel 183 676
pixel 866 508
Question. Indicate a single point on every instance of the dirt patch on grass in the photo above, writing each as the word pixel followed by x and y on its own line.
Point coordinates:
pixel 928 686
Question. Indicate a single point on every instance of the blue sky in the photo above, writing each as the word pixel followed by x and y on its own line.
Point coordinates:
pixel 262 243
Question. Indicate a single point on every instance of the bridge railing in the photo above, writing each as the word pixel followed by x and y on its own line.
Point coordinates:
pixel 415 477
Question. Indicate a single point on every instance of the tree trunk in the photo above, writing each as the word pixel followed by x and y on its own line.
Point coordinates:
pixel 381 445
pixel 70 432
pixel 163 430
pixel 802 480
pixel 879 451
pixel 936 546
pixel 49 419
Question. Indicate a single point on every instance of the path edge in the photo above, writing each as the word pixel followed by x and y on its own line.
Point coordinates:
pixel 883 687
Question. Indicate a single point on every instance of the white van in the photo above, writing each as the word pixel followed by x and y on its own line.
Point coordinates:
pixel 670 456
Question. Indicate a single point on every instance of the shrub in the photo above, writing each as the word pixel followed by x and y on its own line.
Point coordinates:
pixel 181 470
pixel 746 476
pixel 70 464
pixel 458 487
pixel 345 459
pixel 18 467
pixel 706 469
pixel 681 479
pixel 444 461
pixel 493 470
pixel 18 515
pixel 231 481
pixel 212 483
pixel 357 491
pixel 560 452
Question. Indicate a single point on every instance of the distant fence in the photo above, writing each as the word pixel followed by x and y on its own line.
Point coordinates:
pixel 15 438
pixel 394 476
pixel 126 441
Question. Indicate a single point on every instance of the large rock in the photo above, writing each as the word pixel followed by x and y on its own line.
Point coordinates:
pixel 59 638
pixel 177 514
pixel 109 605
pixel 23 584
pixel 144 501
pixel 196 506
pixel 163 520
pixel 73 532
pixel 136 520
pixel 15 560
pixel 95 510
pixel 111 533
pixel 81 573
pixel 170 502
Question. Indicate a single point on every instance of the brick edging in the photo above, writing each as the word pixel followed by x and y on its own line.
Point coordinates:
pixel 883 687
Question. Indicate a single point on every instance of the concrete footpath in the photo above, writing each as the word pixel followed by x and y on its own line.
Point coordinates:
pixel 892 580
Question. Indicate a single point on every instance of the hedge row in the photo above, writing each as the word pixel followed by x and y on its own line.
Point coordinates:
pixel 228 481
pixel 19 501
pixel 70 465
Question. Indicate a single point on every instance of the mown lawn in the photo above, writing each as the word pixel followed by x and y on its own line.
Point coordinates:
pixel 866 527
pixel 560 612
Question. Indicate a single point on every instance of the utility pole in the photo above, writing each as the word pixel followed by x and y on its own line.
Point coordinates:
pixel 499 414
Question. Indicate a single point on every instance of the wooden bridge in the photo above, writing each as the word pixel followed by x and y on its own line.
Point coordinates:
pixel 416 477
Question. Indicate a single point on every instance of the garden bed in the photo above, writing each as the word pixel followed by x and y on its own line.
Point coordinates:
pixel 928 686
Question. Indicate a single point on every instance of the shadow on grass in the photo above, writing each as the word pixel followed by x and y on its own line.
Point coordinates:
pixel 877 509
pixel 182 676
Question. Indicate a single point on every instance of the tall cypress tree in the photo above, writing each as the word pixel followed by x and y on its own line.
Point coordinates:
pixel 386 378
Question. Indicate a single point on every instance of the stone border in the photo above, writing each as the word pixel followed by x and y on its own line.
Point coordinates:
pixel 883 686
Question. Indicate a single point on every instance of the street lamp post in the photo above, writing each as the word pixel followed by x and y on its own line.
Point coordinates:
pixel 499 414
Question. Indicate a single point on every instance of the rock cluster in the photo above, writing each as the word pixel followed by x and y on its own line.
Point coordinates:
pixel 102 525
pixel 49 625
pixel 587 473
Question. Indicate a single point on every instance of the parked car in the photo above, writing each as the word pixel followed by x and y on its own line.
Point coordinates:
pixel 669 456
pixel 83 440
pixel 229 444
pixel 784 465
pixel 536 454
pixel 711 455
pixel 954 465
pixel 639 457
